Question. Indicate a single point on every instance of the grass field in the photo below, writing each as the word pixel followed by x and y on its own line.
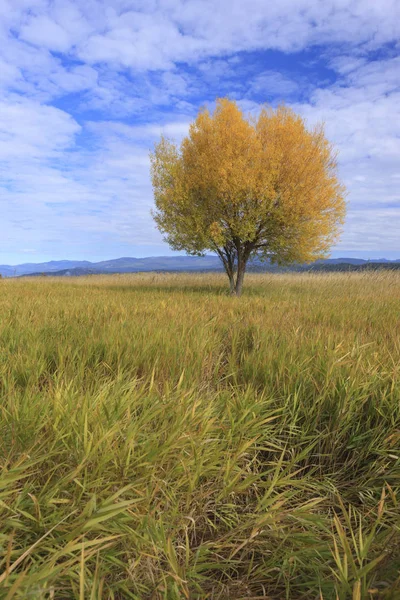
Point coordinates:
pixel 162 440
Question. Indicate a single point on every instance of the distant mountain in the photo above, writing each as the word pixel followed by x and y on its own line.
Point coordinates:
pixel 177 263
pixel 355 261
pixel 46 267
pixel 118 265
pixel 342 267
pixel 158 263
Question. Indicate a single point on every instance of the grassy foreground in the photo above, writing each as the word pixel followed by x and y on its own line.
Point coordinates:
pixel 160 439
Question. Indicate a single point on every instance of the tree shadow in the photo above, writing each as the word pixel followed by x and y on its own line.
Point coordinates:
pixel 202 290
pixel 182 289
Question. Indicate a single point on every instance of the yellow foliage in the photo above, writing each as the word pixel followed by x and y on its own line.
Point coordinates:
pixel 243 187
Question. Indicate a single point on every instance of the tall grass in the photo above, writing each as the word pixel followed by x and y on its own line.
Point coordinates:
pixel 160 439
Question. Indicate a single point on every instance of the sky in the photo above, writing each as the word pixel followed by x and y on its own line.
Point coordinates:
pixel 88 86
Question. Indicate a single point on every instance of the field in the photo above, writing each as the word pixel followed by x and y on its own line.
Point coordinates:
pixel 160 439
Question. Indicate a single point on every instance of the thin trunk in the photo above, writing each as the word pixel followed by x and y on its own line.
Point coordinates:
pixel 237 254
pixel 230 270
pixel 232 283
pixel 243 255
pixel 231 275
pixel 228 263
pixel 240 277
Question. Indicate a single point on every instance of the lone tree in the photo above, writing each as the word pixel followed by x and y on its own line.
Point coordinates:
pixel 242 188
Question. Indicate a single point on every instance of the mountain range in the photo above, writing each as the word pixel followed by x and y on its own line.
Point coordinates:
pixel 174 263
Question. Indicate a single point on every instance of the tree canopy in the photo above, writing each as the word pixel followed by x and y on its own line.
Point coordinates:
pixel 245 187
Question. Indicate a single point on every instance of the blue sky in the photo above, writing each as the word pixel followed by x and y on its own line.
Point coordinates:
pixel 88 86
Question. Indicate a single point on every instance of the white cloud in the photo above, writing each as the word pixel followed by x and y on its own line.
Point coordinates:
pixel 377 77
pixel 155 36
pixel 30 130
pixel 110 130
pixel 272 84
pixel 43 31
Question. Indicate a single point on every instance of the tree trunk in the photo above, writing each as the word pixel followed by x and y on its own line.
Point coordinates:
pixel 228 260
pixel 240 277
pixel 231 275
pixel 231 281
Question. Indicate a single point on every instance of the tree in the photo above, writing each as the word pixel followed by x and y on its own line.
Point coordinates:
pixel 244 187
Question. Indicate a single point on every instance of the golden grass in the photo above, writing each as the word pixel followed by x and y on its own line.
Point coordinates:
pixel 160 439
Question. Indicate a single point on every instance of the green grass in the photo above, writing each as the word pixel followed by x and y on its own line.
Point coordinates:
pixel 160 439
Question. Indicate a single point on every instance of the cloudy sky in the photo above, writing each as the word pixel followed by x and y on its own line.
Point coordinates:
pixel 87 86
